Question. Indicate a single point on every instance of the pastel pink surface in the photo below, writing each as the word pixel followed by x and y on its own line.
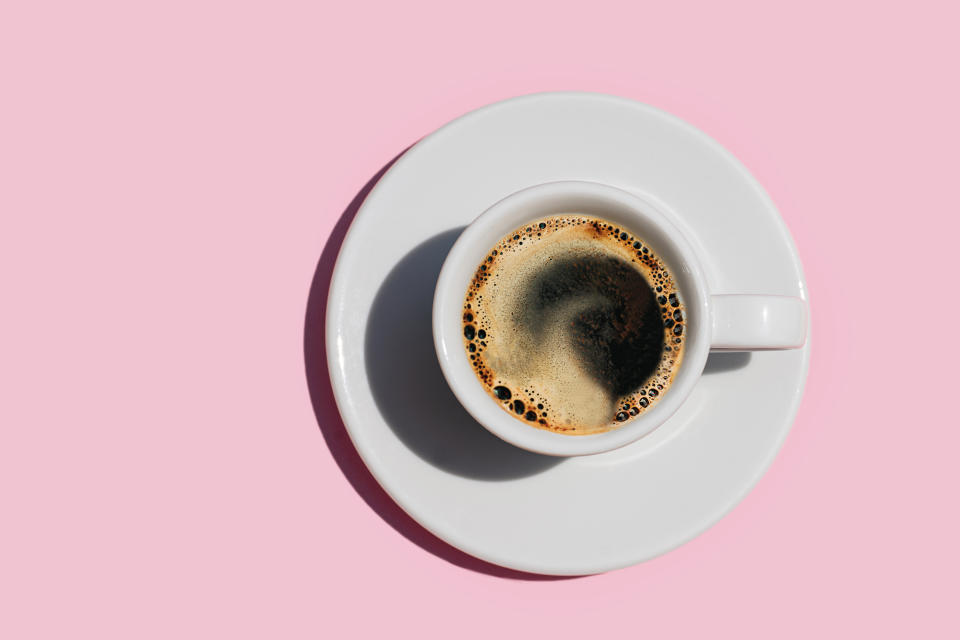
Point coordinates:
pixel 169 178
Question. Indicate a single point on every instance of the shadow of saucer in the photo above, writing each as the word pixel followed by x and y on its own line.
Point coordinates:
pixel 403 419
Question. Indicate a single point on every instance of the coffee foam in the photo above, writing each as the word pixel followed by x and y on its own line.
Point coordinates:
pixel 573 325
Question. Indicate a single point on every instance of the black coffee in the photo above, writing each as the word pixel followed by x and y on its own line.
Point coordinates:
pixel 574 325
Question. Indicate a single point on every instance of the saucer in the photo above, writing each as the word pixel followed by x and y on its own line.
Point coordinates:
pixel 561 516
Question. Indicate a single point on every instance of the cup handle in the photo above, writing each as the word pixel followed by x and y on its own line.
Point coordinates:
pixel 752 322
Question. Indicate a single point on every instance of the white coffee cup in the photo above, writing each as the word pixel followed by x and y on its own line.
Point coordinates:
pixel 713 322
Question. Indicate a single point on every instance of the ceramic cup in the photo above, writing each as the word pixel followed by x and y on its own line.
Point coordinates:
pixel 713 322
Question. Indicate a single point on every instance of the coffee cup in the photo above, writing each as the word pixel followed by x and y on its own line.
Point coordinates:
pixel 712 322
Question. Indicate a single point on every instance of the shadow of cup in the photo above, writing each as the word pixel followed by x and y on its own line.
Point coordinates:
pixel 408 385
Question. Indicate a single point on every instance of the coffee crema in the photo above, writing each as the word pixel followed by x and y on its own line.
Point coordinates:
pixel 573 325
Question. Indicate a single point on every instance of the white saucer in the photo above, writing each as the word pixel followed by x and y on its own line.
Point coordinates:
pixel 496 502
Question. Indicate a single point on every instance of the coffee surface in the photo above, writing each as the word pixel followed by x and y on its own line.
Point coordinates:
pixel 573 324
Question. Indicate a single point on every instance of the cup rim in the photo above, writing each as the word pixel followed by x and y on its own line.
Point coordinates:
pixel 468 251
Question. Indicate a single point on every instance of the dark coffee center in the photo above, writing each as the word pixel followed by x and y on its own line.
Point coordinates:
pixel 616 328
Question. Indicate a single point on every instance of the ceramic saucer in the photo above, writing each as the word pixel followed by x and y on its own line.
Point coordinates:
pixel 499 503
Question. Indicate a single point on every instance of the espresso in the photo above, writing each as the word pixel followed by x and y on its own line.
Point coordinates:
pixel 574 325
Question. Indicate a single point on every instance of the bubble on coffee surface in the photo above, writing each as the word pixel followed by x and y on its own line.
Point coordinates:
pixel 573 324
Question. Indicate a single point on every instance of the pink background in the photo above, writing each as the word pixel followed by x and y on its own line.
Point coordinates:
pixel 170 175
